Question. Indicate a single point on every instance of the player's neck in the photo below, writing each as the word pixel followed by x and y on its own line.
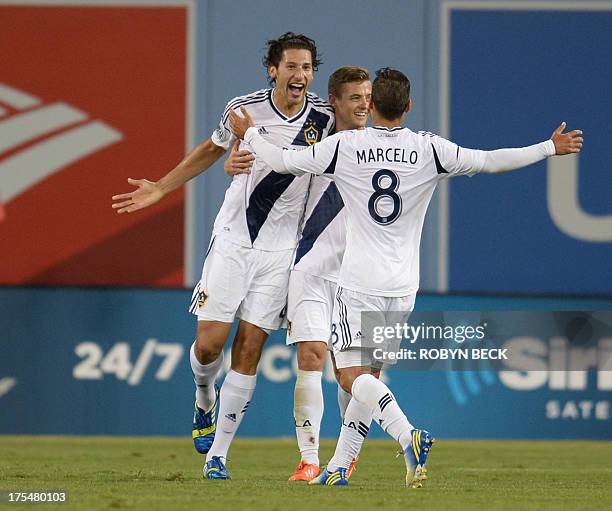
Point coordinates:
pixel 341 126
pixel 284 107
pixel 386 123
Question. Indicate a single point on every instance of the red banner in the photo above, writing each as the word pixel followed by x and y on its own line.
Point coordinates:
pixel 90 96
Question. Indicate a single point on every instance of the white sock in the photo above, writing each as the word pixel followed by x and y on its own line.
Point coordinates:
pixel 355 427
pixel 307 413
pixel 236 393
pixel 204 376
pixel 344 399
pixel 377 397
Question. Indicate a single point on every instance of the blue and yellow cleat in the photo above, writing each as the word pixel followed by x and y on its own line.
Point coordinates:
pixel 336 478
pixel 415 456
pixel 215 469
pixel 204 425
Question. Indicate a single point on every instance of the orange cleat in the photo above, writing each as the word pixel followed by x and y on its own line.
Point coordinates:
pixel 352 467
pixel 305 472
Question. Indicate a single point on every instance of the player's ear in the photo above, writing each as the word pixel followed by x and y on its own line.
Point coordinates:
pixel 273 72
pixel 409 106
pixel 332 100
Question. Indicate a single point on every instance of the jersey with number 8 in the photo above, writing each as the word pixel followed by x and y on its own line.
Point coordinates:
pixel 386 178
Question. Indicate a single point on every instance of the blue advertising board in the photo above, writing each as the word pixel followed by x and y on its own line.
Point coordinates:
pixel 115 362
pixel 515 74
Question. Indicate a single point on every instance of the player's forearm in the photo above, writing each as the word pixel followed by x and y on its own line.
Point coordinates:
pixel 504 160
pixel 268 152
pixel 196 162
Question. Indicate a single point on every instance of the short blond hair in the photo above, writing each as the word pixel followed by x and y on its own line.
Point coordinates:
pixel 347 74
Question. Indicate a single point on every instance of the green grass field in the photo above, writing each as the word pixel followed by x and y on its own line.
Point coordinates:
pixel 165 474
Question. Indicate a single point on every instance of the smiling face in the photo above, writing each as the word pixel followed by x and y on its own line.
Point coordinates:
pixel 293 76
pixel 352 105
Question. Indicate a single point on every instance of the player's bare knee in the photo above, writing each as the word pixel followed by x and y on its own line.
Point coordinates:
pixel 210 341
pixel 311 356
pixel 206 353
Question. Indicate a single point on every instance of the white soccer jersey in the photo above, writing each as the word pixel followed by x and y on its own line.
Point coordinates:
pixel 386 178
pixel 263 209
pixel 323 238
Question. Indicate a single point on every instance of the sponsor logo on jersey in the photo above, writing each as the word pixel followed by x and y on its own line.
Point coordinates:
pixel 262 130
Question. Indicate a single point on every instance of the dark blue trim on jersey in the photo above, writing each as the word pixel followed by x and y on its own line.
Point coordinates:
pixel 328 207
pixel 315 124
pixel 250 102
pixel 259 94
pixel 331 168
pixel 439 167
pixel 282 115
pixel 388 129
pixel 344 322
pixel 262 200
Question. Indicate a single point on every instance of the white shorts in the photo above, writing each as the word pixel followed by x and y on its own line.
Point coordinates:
pixel 244 283
pixel 358 357
pixel 346 335
pixel 309 308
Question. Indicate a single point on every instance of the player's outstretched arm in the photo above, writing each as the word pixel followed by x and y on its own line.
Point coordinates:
pixel 238 162
pixel 149 192
pixel 504 160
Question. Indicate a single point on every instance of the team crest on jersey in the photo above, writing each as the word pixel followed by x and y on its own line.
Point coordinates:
pixel 311 134
pixel 202 296
pixel 313 128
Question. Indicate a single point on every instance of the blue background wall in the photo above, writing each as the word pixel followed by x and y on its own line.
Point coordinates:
pixel 116 362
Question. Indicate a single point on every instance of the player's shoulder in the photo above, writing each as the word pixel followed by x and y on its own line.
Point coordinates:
pixel 318 103
pixel 434 140
pixel 258 96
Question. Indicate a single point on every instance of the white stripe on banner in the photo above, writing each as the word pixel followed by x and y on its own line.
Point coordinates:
pixel 27 126
pixel 25 169
pixel 16 98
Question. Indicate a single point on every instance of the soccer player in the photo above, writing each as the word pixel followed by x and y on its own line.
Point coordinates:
pixel 246 271
pixel 386 176
pixel 313 279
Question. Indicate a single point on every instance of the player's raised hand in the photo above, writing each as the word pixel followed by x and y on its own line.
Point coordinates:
pixel 566 143
pixel 146 193
pixel 239 124
pixel 238 162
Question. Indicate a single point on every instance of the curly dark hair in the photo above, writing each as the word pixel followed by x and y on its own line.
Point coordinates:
pixel 390 92
pixel 289 40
